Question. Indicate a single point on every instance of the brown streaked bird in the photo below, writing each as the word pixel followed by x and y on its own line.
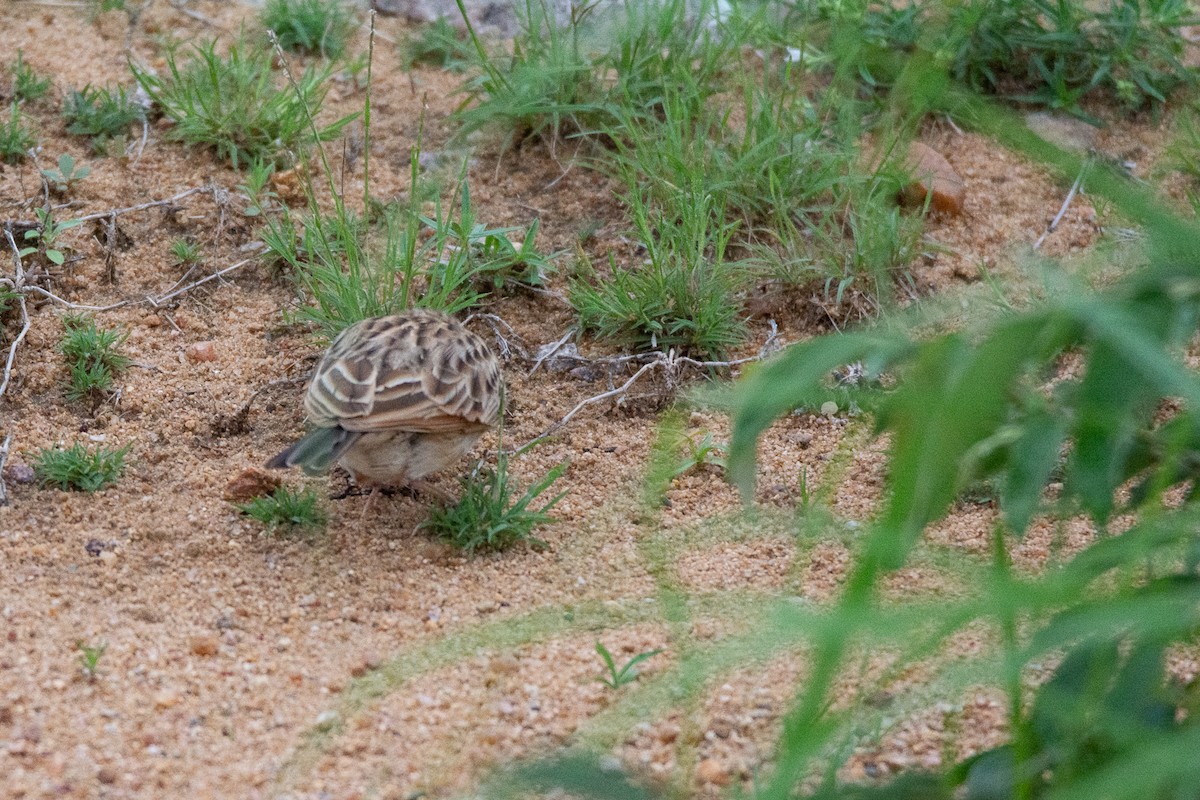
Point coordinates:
pixel 397 398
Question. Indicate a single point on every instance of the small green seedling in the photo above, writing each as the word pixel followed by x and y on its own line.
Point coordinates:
pixel 27 85
pixel 16 139
pixel 46 237
pixel 287 509
pixel 92 356
pixel 68 173
pixel 627 674
pixel 79 468
pixel 704 451
pixel 89 657
pixel 186 252
pixel 486 518
pixel 504 262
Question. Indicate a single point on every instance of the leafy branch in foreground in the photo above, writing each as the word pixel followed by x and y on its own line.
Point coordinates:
pixel 1121 435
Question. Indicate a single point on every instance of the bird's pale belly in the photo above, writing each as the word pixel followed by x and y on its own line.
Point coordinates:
pixel 395 458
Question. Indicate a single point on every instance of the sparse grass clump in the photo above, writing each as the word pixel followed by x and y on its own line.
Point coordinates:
pixel 93 357
pixel 548 88
pixel 237 105
pixel 101 113
pixel 79 468
pixel 310 26
pixel 16 137
pixel 438 44
pixel 1046 52
pixel 287 509
pixel 27 85
pixel 487 517
pixel 686 295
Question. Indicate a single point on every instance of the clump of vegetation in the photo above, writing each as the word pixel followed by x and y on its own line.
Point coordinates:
pixel 354 270
pixel 236 106
pixel 487 517
pixel 63 179
pixel 548 88
pixel 103 114
pixel 438 44
pixel 1048 53
pixel 310 26
pixel 93 356
pixel 287 509
pixel 27 85
pixel 16 137
pixel 685 296
pixel 46 237
pixel 79 468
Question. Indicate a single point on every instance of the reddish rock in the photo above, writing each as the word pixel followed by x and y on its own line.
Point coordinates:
pixel 933 175
pixel 711 771
pixel 201 351
pixel 250 483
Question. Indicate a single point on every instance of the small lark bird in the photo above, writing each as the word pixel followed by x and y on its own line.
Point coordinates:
pixel 397 398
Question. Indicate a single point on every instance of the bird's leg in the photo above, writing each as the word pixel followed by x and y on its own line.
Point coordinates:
pixel 372 493
pixel 430 490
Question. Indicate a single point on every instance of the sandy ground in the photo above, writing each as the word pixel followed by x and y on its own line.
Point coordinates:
pixel 371 661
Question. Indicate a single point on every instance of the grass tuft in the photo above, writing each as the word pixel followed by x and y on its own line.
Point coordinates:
pixel 438 44
pixel 79 468
pixel 315 27
pixel 16 137
pixel 236 104
pixel 93 356
pixel 102 114
pixel 287 509
pixel 487 517
pixel 27 85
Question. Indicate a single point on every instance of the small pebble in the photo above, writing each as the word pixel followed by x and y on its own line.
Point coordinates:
pixel 250 483
pixel 201 351
pixel 801 439
pixel 829 408
pixel 167 698
pixel 16 472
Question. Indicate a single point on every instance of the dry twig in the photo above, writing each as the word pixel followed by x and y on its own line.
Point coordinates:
pixel 18 285
pixel 3 459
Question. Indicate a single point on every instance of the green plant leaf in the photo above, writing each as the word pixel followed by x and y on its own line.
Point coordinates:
pixel 1032 457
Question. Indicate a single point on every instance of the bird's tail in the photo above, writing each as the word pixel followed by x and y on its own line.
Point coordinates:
pixel 317 451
